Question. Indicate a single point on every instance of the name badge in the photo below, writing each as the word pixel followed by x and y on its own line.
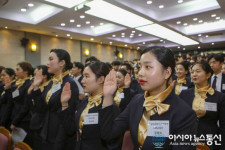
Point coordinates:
pixel 56 87
pixel 223 86
pixel 210 106
pixel 15 93
pixel 91 118
pixel 159 128
pixel 183 88
pixel 121 95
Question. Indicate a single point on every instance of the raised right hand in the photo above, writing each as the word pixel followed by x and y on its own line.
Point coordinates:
pixel 38 79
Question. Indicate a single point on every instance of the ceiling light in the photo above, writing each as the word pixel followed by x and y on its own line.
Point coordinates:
pixel 178 22
pixel 63 24
pixel 204 28
pixel 185 24
pixel 200 21
pixel 113 35
pixel 67 34
pixel 72 20
pixel 149 2
pixel 139 34
pixel 133 31
pixel 101 24
pixel 217 18
pixel 56 35
pixel 88 22
pixel 67 3
pixel 143 42
pixel 195 19
pixel 213 15
pixel 23 9
pixel 199 47
pixel 78 25
pixel 212 43
pixel 125 45
pixel 6 27
pixel 82 16
pixel 183 48
pixel 31 5
pixel 178 47
pixel 138 47
pixel 122 36
pixel 199 35
pixel 206 36
pixel 161 40
pixel 110 42
pixel 122 33
pixel 92 39
pixel 132 34
pixel 92 26
pixel 71 38
pixel 161 6
pixel 180 1
pixel 116 14
pixel 167 34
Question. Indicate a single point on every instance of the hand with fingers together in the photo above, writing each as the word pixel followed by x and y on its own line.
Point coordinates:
pixel 38 79
pixel 127 81
pixel 7 83
pixel 65 95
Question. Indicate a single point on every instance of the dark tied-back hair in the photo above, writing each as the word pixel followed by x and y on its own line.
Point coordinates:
pixel 45 71
pixel 205 66
pixel 164 55
pixel 10 72
pixel 185 64
pixel 116 63
pixel 91 59
pixel 99 69
pixel 63 55
pixel 123 72
pixel 217 57
pixel 79 65
pixel 26 66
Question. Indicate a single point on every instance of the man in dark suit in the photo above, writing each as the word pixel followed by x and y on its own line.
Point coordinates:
pixel 77 71
pixel 218 78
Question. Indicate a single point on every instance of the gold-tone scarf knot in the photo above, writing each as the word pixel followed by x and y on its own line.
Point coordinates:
pixel 179 83
pixel 20 82
pixel 117 98
pixel 92 101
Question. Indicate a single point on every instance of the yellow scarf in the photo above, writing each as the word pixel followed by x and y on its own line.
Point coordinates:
pixel 179 83
pixel 198 104
pixel 56 80
pixel 42 86
pixel 152 104
pixel 20 82
pixel 92 101
pixel 117 98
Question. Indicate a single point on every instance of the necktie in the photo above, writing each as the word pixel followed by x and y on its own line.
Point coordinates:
pixel 214 83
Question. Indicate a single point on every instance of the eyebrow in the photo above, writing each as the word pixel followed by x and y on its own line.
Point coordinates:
pixel 147 62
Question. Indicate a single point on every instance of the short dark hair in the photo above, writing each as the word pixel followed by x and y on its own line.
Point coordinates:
pixel 99 69
pixel 79 65
pixel 164 55
pixel 63 55
pixel 128 66
pixel 1 68
pixel 123 72
pixel 116 63
pixel 205 66
pixel 10 72
pixel 109 65
pixel 184 64
pixel 44 71
pixel 26 66
pixel 217 57
pixel 91 59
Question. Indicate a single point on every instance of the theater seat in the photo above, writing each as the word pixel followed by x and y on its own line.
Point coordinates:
pixel 127 141
pixel 5 139
pixel 22 146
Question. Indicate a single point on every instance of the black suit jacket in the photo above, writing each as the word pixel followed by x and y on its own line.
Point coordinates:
pixel 181 117
pixel 90 139
pixel 52 131
pixel 80 79
pixel 222 82
pixel 1 87
pixel 208 123
pixel 135 86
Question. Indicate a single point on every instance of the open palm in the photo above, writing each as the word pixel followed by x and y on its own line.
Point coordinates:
pixel 66 94
pixel 127 81
pixel 110 85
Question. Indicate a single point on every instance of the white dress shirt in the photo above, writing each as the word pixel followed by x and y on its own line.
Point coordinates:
pixel 218 81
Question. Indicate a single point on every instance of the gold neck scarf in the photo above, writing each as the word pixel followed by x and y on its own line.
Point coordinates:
pixel 56 80
pixel 180 82
pixel 150 103
pixel 92 101
pixel 20 82
pixel 117 98
pixel 198 104
pixel 42 86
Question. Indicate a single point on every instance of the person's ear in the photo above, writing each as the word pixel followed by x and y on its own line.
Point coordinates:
pixel 168 72
pixel 101 79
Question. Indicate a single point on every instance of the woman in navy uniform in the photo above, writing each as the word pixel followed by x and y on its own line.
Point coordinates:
pixel 183 82
pixel 48 102
pixel 123 93
pixel 7 75
pixel 165 113
pixel 207 103
pixel 85 122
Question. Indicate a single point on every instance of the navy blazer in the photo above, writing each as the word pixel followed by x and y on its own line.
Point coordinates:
pixel 208 123
pixel 90 139
pixel 52 131
pixel 182 120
